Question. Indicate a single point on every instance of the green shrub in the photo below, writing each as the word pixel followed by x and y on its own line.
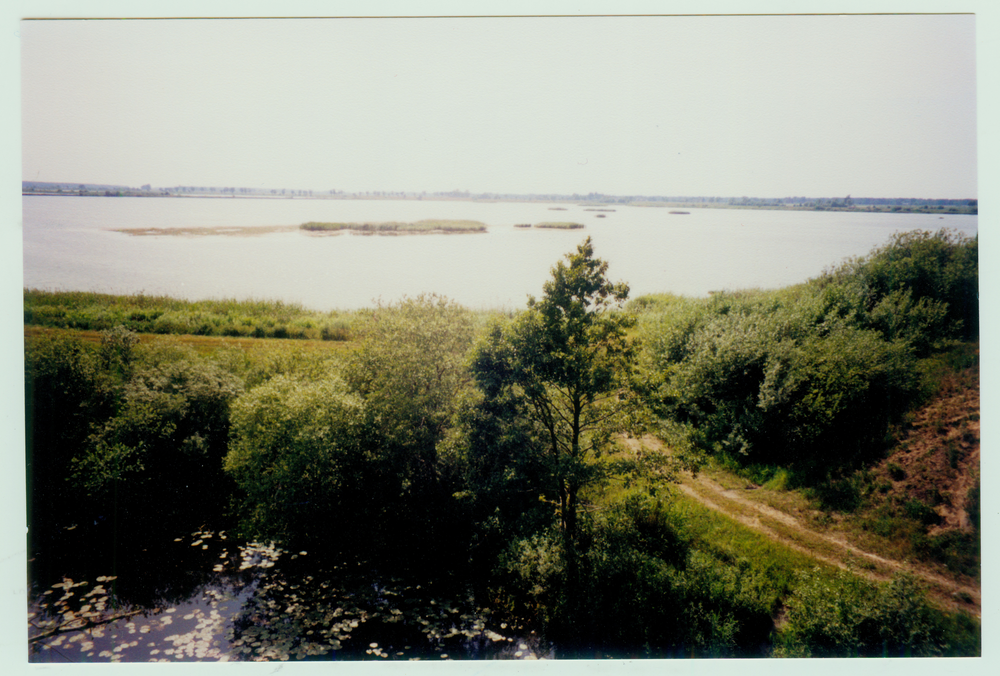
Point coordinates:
pixel 66 392
pixel 918 511
pixel 298 456
pixel 497 455
pixel 773 378
pixel 921 323
pixel 641 589
pixel 836 394
pixel 959 551
pixel 781 480
pixel 410 369
pixel 929 280
pixel 887 522
pixel 841 495
pixel 531 578
pixel 160 454
pixel 851 617
pixel 814 374
pixel 335 330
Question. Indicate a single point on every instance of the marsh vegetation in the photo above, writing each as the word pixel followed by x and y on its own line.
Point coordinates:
pixel 559 225
pixel 442 483
pixel 427 226
pixel 165 315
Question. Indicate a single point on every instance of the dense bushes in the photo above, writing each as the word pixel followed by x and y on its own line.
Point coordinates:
pixel 653 586
pixel 769 378
pixel 348 463
pixel 645 589
pixel 918 276
pixel 496 453
pixel 812 375
pixel 159 456
pixel 851 617
pixel 410 367
pixel 66 391
pixel 298 457
pixel 124 449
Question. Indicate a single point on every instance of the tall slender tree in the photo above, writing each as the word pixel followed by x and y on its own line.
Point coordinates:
pixel 569 356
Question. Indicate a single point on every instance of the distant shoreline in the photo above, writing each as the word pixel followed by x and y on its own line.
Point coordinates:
pixel 864 209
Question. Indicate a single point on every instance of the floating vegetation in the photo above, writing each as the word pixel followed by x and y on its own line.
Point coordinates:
pixel 75 619
pixel 680 212
pixel 592 209
pixel 522 225
pixel 557 208
pixel 427 226
pixel 104 628
pixel 340 611
pixel 264 604
pixel 559 225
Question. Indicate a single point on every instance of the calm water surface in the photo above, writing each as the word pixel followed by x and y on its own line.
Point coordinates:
pixel 70 243
pixel 204 598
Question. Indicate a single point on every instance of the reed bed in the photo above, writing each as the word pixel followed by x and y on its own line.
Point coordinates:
pixel 559 225
pixel 143 313
pixel 427 226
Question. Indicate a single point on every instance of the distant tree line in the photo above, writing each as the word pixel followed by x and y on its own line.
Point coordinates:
pixel 962 205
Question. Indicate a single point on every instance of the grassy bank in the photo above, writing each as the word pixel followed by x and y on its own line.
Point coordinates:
pixel 808 619
pixel 165 315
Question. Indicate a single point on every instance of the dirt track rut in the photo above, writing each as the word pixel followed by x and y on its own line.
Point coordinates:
pixel 823 545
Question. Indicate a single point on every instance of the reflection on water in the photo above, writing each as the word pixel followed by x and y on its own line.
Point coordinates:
pixel 264 604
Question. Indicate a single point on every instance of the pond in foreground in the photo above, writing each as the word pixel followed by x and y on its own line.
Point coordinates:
pixel 260 603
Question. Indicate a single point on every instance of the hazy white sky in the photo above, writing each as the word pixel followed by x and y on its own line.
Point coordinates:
pixel 766 106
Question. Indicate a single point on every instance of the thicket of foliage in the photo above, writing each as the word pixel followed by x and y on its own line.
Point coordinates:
pixel 297 455
pixel 649 590
pixel 66 391
pixel 851 617
pixel 921 286
pixel 160 454
pixel 124 451
pixel 813 375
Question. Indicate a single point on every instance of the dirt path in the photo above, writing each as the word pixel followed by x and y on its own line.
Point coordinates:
pixel 827 546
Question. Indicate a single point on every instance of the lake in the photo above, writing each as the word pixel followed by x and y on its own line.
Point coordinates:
pixel 70 243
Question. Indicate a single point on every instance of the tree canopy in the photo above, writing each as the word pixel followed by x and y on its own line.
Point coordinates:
pixel 569 357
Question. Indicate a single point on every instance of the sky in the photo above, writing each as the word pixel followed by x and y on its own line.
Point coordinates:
pixel 762 106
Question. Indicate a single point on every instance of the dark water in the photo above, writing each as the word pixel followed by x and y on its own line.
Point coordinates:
pixel 203 597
